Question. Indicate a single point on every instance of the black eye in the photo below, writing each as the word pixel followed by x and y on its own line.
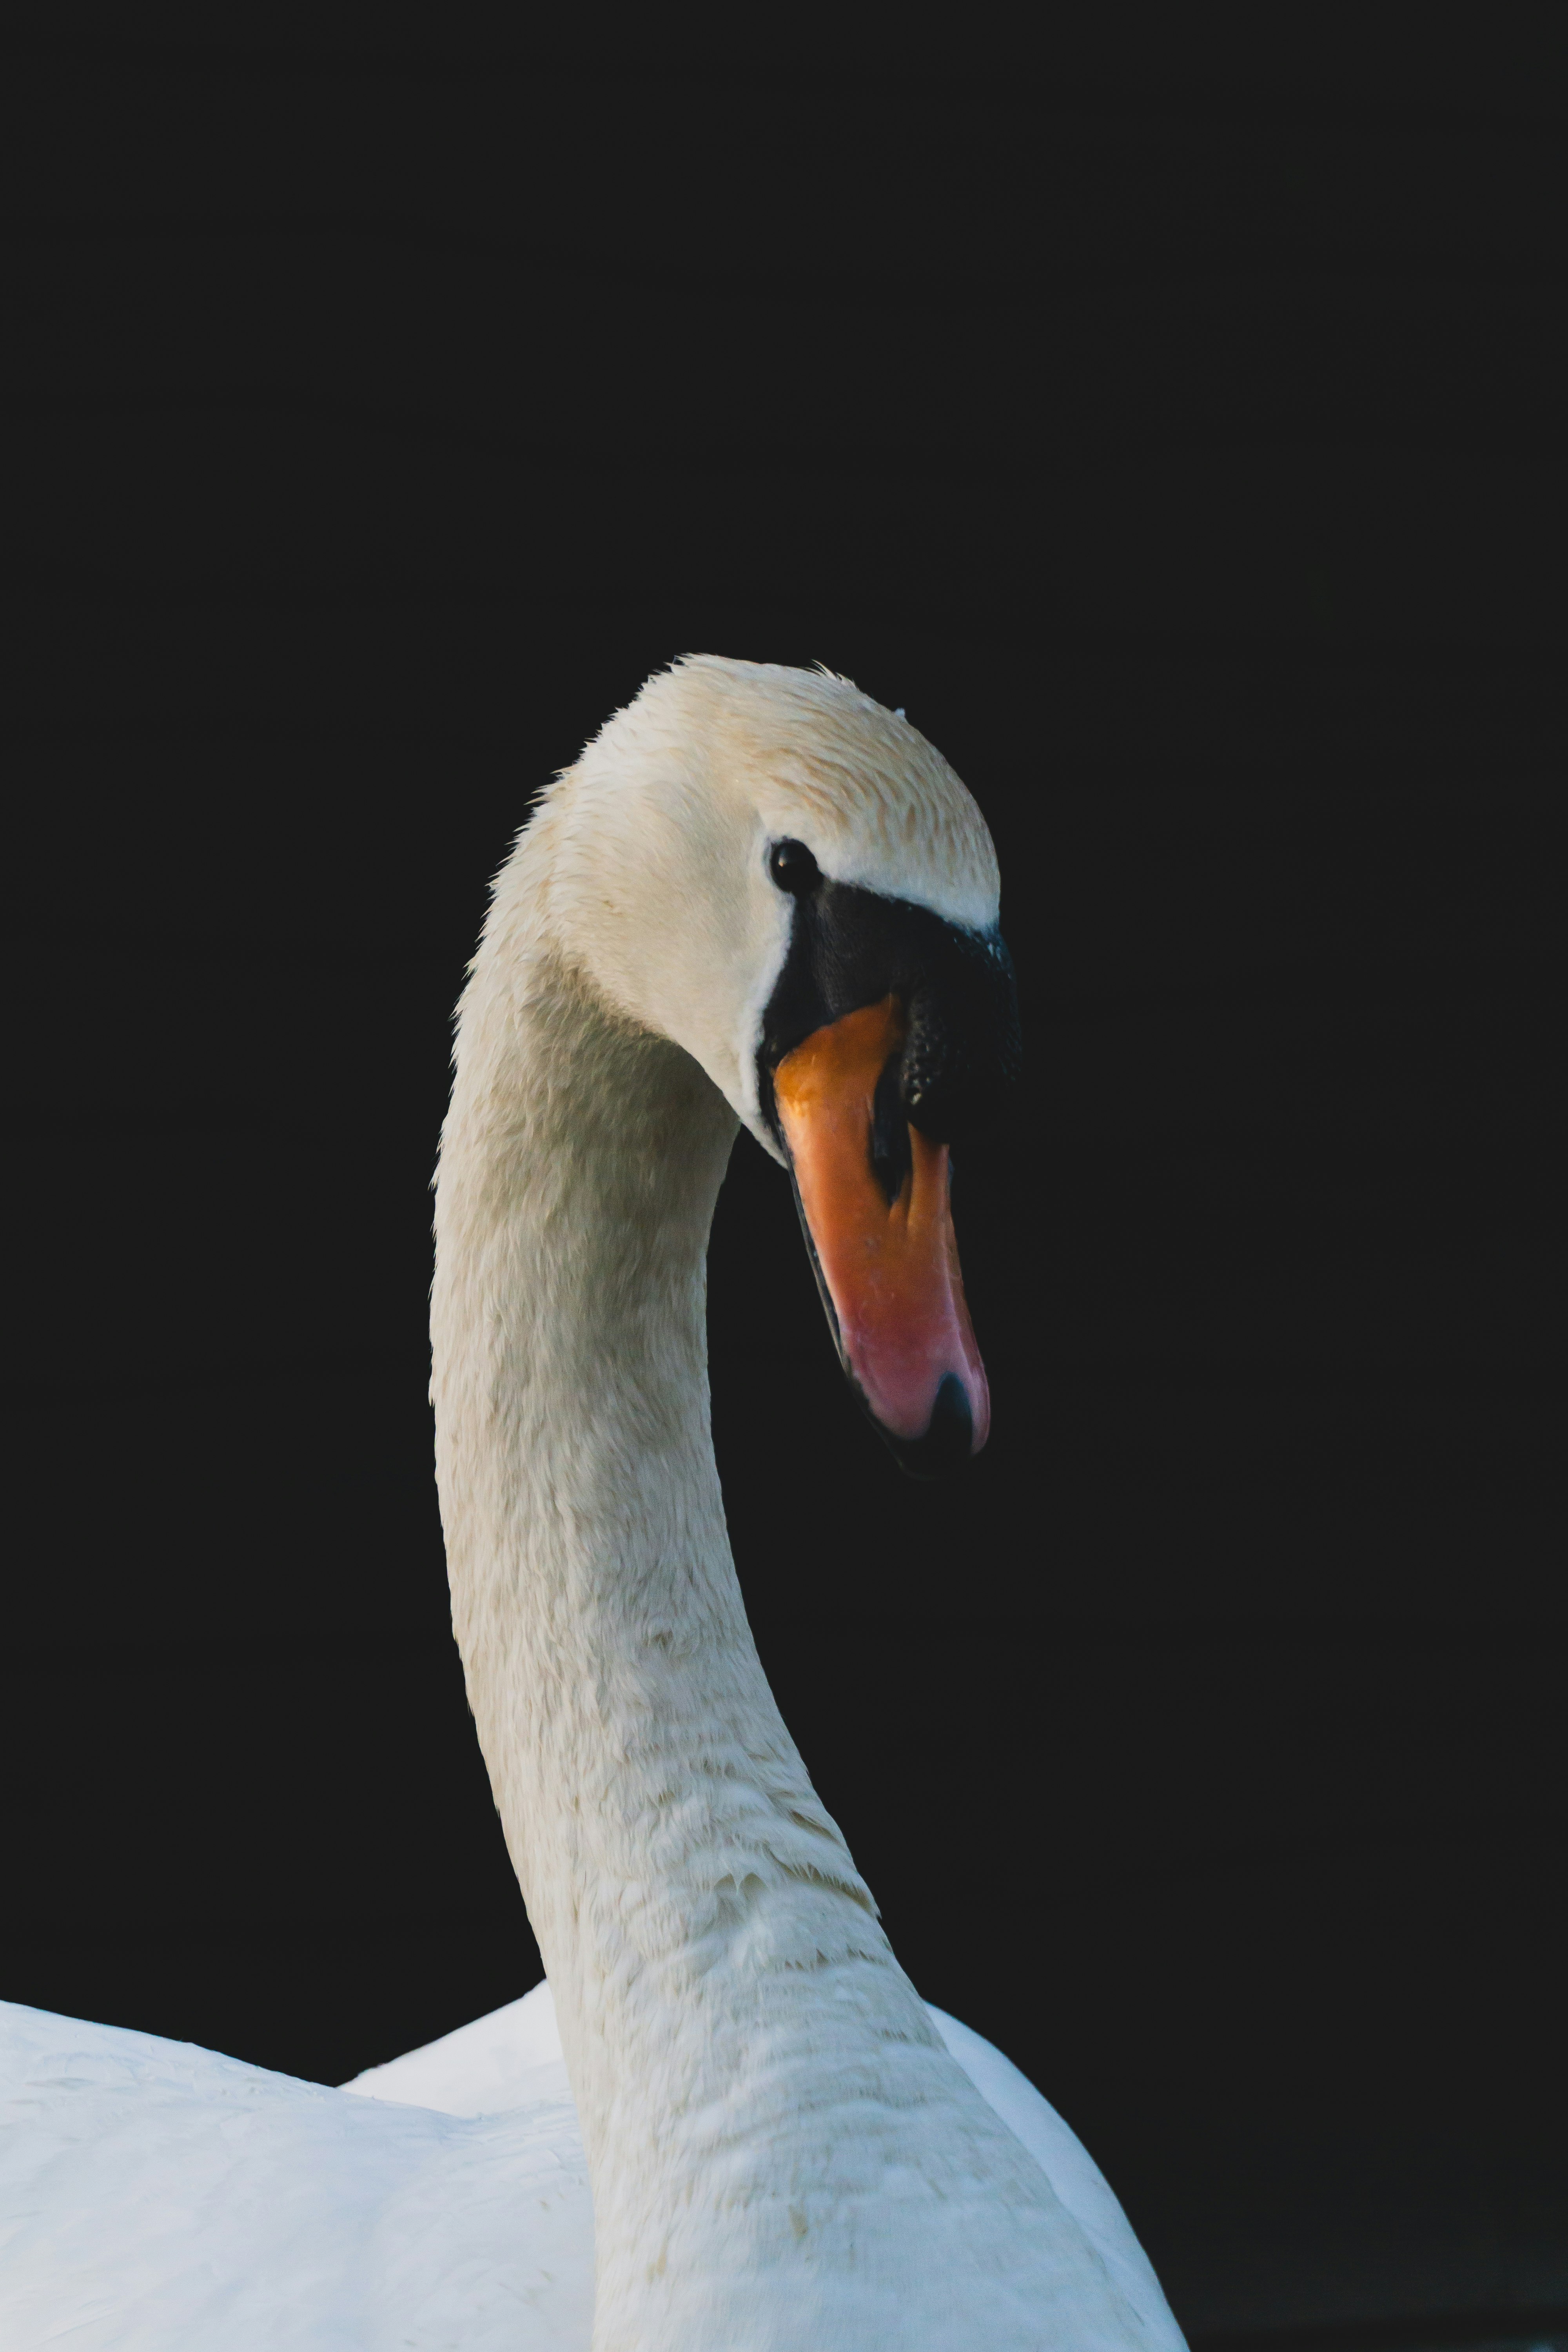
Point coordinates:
pixel 794 867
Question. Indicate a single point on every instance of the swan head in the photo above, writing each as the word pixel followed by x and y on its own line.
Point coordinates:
pixel 787 880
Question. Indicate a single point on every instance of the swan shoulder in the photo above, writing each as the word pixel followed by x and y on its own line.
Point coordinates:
pixel 1078 2182
pixel 158 2198
pixel 499 2062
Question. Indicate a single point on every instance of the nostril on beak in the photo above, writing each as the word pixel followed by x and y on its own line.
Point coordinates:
pixel 892 1158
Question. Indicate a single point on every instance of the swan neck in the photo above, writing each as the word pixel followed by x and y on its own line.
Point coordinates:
pixel 734 2024
pixel 669 1845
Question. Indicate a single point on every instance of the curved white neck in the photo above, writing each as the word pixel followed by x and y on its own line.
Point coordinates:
pixel 737 2031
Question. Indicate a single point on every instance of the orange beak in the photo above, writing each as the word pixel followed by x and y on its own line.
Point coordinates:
pixel 888 1269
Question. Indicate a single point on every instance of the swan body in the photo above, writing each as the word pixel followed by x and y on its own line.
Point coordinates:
pixel 157 2197
pixel 755 893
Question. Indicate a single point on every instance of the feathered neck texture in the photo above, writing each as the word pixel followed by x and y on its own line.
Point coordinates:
pixel 781 2152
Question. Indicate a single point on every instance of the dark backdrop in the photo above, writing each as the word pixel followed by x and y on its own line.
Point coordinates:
pixel 1174 431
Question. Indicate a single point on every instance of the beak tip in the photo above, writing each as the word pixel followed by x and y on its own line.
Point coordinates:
pixel 948 1442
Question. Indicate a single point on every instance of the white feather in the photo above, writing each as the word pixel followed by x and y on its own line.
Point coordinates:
pixel 156 2198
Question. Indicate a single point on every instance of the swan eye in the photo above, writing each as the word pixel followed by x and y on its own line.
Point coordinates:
pixel 794 867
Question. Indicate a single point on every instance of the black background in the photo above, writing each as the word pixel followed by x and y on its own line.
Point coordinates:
pixel 1175 430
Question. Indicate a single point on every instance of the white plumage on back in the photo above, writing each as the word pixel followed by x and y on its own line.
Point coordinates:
pixel 156 2198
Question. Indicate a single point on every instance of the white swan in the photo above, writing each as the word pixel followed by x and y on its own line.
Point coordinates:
pixel 758 897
